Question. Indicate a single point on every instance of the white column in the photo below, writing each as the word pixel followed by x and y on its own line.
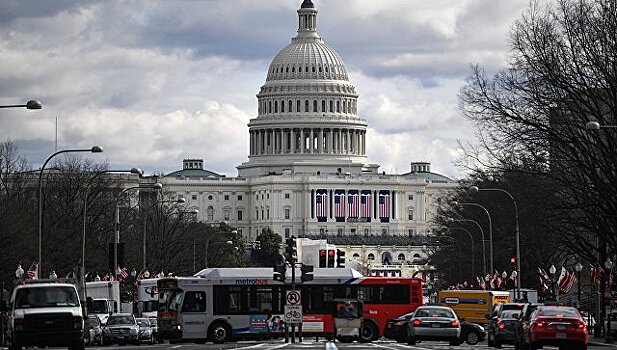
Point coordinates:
pixel 340 141
pixel 301 140
pixel 311 135
pixel 320 141
pixel 331 141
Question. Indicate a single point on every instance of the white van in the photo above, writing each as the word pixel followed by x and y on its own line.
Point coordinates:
pixel 46 314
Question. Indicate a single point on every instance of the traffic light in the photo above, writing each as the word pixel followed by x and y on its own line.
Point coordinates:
pixel 307 273
pixel 512 261
pixel 340 258
pixel 279 272
pixel 330 258
pixel 291 250
pixel 322 258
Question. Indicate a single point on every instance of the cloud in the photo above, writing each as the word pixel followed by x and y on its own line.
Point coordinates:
pixel 155 82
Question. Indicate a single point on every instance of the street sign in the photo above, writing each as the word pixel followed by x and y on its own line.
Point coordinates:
pixel 293 297
pixel 293 313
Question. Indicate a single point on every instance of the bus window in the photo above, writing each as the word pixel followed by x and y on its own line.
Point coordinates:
pixel 260 299
pixel 170 300
pixel 194 302
pixel 392 294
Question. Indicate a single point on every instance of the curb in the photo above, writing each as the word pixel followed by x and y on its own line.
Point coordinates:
pixel 597 343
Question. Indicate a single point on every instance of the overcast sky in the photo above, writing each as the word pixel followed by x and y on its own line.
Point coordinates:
pixel 154 82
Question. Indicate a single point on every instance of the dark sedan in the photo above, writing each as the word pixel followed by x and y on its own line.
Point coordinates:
pixel 396 329
pixel 505 332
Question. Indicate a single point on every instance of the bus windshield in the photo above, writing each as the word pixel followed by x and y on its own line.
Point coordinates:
pixel 170 300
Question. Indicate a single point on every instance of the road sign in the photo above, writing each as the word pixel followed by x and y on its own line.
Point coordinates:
pixel 293 297
pixel 293 313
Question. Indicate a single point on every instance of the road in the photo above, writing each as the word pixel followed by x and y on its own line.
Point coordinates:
pixel 312 344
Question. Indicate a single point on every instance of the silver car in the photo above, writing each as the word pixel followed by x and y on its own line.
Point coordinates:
pixel 434 323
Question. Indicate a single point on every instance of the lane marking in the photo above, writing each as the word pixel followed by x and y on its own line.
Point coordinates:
pixel 331 346
pixel 177 346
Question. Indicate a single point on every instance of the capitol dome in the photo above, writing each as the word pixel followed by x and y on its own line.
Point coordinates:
pixel 307 59
pixel 307 119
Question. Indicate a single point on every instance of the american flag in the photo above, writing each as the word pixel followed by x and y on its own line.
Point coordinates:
pixel 365 204
pixel 321 203
pixel 596 274
pixel 339 204
pixel 566 284
pixel 124 272
pixel 109 277
pixel 353 200
pixel 384 204
pixel 33 271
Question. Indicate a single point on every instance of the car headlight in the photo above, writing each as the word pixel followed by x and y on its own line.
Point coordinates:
pixel 134 330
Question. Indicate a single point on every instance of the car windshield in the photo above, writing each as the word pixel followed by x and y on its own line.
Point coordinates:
pixel 152 322
pixel 51 296
pixel 115 320
pixel 143 322
pixel 433 312
pixel 151 305
pixel 510 314
pixel 558 312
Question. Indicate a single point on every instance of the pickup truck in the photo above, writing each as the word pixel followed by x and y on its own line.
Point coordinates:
pixel 46 314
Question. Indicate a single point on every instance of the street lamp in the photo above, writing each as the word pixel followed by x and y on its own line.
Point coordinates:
pixel 598 126
pixel 608 264
pixel 475 189
pixel 155 186
pixel 52 275
pixel 554 286
pixel 32 104
pixel 578 268
pixel 86 190
pixel 19 272
pixel 490 229
pixel 483 241
pixel 94 149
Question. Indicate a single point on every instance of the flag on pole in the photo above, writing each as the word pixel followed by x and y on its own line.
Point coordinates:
pixel 33 272
pixel 365 204
pixel 354 203
pixel 321 202
pixel 339 204
pixel 124 273
pixel 384 204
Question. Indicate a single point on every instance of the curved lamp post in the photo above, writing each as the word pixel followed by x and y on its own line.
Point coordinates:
pixel 483 241
pixel 87 189
pixel 155 186
pixel 475 189
pixel 490 230
pixel 32 104
pixel 94 149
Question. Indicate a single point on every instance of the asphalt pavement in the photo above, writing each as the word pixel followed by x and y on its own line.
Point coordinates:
pixel 322 344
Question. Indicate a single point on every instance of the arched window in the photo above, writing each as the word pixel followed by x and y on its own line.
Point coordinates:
pixel 344 106
pixel 331 106
pixel 401 257
pixel 314 105
pixel 323 105
pixel 338 106
pixel 313 68
pixel 306 69
pixel 269 106
pixel 306 106
pixel 416 255
pixel 210 213
pixel 356 256
pixel 298 106
pixel 319 69
pixel 286 69
pixel 290 106
pixel 326 69
pixel 371 256
pixel 276 106
pixel 283 106
pixel 293 69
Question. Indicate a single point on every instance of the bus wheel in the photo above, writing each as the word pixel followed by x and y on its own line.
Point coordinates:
pixel 219 333
pixel 368 332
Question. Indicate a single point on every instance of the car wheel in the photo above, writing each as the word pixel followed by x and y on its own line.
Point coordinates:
pixel 472 338
pixel 533 346
pixel 497 344
pixel 219 333
pixel 411 341
pixel 368 333
pixel 490 340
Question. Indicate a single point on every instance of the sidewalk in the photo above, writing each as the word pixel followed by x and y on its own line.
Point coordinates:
pixel 600 342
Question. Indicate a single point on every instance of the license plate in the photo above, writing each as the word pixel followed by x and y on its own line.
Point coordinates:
pixel 560 336
pixel 561 327
pixel 435 325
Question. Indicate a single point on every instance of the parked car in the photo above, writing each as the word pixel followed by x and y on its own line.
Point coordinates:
pixel 561 326
pixel 434 323
pixel 523 323
pixel 505 332
pixel 145 331
pixel 96 330
pixel 493 319
pixel 472 333
pixel 121 329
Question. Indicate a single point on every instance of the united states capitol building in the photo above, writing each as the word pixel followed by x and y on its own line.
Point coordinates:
pixel 307 172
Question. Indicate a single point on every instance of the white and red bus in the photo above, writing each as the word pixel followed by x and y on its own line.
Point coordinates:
pixel 222 304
